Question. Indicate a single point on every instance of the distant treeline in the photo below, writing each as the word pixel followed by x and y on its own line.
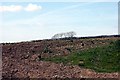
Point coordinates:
pixel 68 38
pixel 103 36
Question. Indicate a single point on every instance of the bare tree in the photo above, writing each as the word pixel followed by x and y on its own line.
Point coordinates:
pixel 62 35
pixel 71 34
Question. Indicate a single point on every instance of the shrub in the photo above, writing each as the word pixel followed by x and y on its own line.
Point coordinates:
pixel 117 44
pixel 47 50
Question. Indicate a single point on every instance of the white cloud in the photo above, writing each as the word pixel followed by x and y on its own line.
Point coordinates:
pixel 16 8
pixel 32 7
pixel 11 8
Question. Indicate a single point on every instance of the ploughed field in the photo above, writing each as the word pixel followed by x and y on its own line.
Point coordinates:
pixel 95 57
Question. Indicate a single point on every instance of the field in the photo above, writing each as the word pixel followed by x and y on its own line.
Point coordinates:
pixel 86 57
pixel 101 59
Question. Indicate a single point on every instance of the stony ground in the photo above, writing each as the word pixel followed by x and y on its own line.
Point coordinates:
pixel 41 69
pixel 21 61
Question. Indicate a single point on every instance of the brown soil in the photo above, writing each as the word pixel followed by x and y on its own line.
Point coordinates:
pixel 21 60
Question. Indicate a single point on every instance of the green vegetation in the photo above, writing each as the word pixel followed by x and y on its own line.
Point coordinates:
pixel 100 59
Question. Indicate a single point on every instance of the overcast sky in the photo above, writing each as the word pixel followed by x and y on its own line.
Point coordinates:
pixel 41 20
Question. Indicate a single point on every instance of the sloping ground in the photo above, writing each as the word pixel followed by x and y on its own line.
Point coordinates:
pixel 26 69
pixel 101 59
pixel 21 60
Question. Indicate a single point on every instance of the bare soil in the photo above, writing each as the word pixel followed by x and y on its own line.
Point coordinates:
pixel 21 60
